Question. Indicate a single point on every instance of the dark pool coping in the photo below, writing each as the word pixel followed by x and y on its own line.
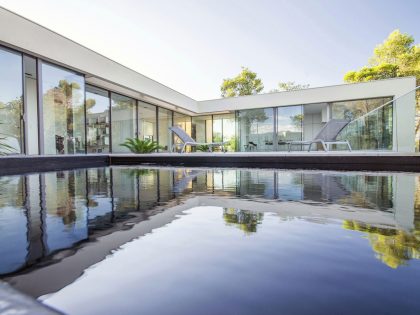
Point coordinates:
pixel 339 161
pixel 349 161
pixel 23 164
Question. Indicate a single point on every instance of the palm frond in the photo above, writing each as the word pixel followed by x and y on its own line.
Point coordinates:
pixel 136 145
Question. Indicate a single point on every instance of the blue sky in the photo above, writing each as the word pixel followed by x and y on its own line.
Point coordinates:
pixel 192 45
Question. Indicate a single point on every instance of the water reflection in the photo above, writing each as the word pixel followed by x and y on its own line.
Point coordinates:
pixel 245 220
pixel 41 214
pixel 392 247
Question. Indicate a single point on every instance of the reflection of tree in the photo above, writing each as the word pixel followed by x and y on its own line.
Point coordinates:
pixel 66 101
pixel 253 115
pixel 392 247
pixel 10 114
pixel 297 121
pixel 417 205
pixel 12 193
pixel 245 220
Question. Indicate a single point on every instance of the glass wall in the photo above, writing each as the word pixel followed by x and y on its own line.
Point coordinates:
pixel 11 96
pixel 31 105
pixel 351 110
pixel 256 129
pixel 123 115
pixel 97 119
pixel 164 134
pixel 184 122
pixel 371 132
pixel 201 129
pixel 63 95
pixel 289 125
pixel 147 121
pixel 224 129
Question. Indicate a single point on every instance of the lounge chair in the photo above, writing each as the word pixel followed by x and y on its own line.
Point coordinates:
pixel 326 136
pixel 188 141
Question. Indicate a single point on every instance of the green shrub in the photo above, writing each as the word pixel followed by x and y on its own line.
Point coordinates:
pixel 203 148
pixel 136 145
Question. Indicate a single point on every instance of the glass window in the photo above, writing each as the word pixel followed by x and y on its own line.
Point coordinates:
pixel 165 135
pixel 147 121
pixel 183 121
pixel 10 102
pixel 224 130
pixel 371 132
pixel 353 109
pixel 201 129
pixel 123 114
pixel 289 125
pixel 97 120
pixel 31 105
pixel 63 94
pixel 256 129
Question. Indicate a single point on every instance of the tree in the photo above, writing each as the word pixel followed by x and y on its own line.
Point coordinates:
pixel 397 56
pixel 245 83
pixel 289 86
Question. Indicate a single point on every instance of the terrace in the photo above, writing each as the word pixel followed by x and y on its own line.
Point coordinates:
pixel 88 227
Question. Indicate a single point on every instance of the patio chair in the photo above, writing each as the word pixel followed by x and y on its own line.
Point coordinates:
pixel 188 141
pixel 326 136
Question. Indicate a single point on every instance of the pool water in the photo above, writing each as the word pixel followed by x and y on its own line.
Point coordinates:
pixel 133 240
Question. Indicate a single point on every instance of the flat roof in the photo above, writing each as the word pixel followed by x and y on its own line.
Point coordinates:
pixel 37 40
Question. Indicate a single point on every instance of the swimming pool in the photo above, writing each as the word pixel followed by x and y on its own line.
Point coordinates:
pixel 136 240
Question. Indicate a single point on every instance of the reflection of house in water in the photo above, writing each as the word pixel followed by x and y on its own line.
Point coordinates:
pixel 54 211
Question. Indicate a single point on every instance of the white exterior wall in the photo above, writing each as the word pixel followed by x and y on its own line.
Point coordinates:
pixel 27 36
pixel 392 87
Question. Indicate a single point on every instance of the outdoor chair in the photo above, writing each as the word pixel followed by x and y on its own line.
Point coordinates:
pixel 326 136
pixel 188 141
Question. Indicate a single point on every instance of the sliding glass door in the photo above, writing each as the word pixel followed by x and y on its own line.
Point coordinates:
pixel 123 113
pixel 11 96
pixel 97 120
pixel 63 111
pixel 147 121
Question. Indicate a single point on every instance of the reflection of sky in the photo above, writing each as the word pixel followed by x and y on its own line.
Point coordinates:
pixel 11 76
pixel 101 103
pixel 61 235
pixel 198 262
pixel 51 76
pixel 13 243
pixel 103 206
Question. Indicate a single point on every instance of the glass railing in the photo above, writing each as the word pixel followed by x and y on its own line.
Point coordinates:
pixel 378 129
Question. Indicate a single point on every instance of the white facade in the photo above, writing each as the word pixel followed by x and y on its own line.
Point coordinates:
pixel 26 36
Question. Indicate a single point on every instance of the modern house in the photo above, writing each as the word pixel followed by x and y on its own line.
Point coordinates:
pixel 59 97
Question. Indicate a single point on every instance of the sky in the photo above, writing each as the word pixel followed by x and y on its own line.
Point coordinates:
pixel 192 45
